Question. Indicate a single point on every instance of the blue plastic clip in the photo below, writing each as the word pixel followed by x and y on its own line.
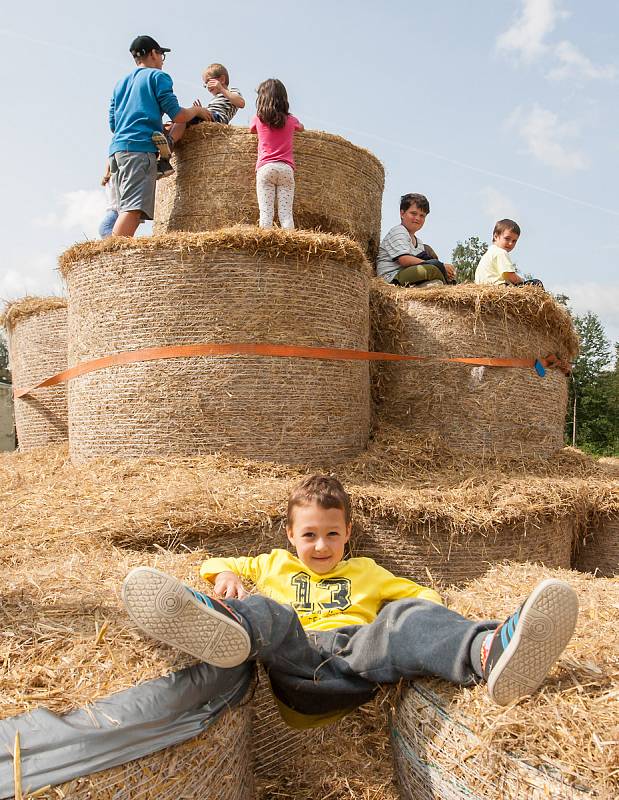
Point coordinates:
pixel 539 368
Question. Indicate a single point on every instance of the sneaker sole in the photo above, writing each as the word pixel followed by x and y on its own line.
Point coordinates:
pixel 161 143
pixel 164 608
pixel 546 625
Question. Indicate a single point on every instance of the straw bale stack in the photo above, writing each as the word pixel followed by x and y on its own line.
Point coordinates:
pixel 213 766
pixel 562 742
pixel 238 285
pixel 489 411
pixel 598 552
pixel 70 644
pixel 338 186
pixel 37 332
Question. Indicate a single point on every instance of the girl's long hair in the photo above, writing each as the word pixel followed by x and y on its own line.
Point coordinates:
pixel 272 103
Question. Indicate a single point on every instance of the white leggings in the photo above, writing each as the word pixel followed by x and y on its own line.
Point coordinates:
pixel 272 177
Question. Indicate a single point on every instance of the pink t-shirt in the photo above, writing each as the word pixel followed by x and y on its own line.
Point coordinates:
pixel 275 144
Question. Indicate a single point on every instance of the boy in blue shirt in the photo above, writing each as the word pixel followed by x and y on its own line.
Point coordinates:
pixel 330 629
pixel 138 103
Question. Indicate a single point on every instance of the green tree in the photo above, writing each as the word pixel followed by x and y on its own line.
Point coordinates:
pixel 594 389
pixel 465 258
pixel 4 352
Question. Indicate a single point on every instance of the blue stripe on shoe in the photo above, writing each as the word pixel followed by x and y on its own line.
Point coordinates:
pixel 508 628
pixel 203 598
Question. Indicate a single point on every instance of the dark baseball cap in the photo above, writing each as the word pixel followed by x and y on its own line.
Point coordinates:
pixel 142 45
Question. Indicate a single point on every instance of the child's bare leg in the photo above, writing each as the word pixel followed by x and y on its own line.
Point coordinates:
pixel 127 223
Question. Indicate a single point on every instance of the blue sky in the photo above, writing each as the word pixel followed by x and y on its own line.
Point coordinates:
pixel 491 108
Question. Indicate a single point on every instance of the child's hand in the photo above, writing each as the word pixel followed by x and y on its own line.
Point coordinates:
pixel 227 585
pixel 105 179
pixel 214 86
pixel 451 272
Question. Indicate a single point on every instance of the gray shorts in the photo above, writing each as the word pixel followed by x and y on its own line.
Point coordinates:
pixel 134 181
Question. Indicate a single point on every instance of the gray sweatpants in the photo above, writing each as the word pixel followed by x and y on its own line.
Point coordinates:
pixel 316 672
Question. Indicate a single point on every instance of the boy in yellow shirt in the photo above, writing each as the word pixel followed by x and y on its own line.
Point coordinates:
pixel 330 629
pixel 495 266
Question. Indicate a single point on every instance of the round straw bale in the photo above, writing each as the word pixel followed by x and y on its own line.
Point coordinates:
pixel 37 332
pixel 485 410
pixel 217 765
pixel 561 742
pixel 272 736
pixel 234 285
pixel 599 550
pixel 338 186
pixel 448 555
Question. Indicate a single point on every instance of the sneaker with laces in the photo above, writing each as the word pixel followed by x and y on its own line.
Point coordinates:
pixel 185 619
pixel 163 144
pixel 517 656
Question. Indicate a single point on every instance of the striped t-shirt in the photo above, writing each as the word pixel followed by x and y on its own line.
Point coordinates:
pixel 398 242
pixel 222 106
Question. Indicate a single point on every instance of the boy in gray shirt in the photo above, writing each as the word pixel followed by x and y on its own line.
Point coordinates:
pixel 403 259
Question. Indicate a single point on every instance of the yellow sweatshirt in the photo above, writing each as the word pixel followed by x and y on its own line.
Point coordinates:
pixel 352 594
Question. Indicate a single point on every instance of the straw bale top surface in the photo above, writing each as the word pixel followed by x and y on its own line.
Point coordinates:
pixel 271 243
pixel 574 719
pixel 27 307
pixel 529 305
pixel 208 130
pixel 209 499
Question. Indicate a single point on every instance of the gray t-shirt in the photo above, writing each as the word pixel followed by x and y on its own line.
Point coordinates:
pixel 222 106
pixel 397 242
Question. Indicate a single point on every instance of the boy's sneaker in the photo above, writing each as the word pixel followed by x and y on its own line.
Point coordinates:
pixel 179 616
pixel 516 657
pixel 164 145
pixel 164 168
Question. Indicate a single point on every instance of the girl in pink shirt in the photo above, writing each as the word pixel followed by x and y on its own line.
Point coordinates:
pixel 275 166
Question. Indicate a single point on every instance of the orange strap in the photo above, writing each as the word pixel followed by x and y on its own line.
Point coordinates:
pixel 275 351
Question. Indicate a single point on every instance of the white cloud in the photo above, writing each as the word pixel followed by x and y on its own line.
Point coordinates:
pixel 81 211
pixel 573 63
pixel 29 274
pixel 496 205
pixel 527 35
pixel 547 138
pixel 601 298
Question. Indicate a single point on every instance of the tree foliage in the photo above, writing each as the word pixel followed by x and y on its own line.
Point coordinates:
pixel 4 352
pixel 465 258
pixel 595 389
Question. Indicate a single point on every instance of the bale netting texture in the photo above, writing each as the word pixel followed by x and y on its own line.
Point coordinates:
pixel 454 555
pixel 485 410
pixel 338 186
pixel 598 552
pixel 37 333
pixel 217 765
pixel 242 285
pixel 453 742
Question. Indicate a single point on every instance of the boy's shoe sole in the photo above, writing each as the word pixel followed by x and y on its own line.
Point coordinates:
pixel 161 143
pixel 546 624
pixel 169 611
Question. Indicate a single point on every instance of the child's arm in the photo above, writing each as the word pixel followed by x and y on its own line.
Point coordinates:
pixel 213 85
pixel 512 277
pixel 409 261
pixel 225 573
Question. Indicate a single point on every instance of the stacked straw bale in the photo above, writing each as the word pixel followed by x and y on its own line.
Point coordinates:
pixel 562 742
pixel 235 285
pixel 598 551
pixel 69 644
pixel 338 186
pixel 37 329
pixel 213 766
pixel 489 411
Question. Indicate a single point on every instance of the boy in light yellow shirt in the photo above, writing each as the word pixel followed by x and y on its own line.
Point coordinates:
pixel 495 266
pixel 329 630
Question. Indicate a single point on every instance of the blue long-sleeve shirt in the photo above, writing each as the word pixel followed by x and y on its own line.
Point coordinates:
pixel 137 105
